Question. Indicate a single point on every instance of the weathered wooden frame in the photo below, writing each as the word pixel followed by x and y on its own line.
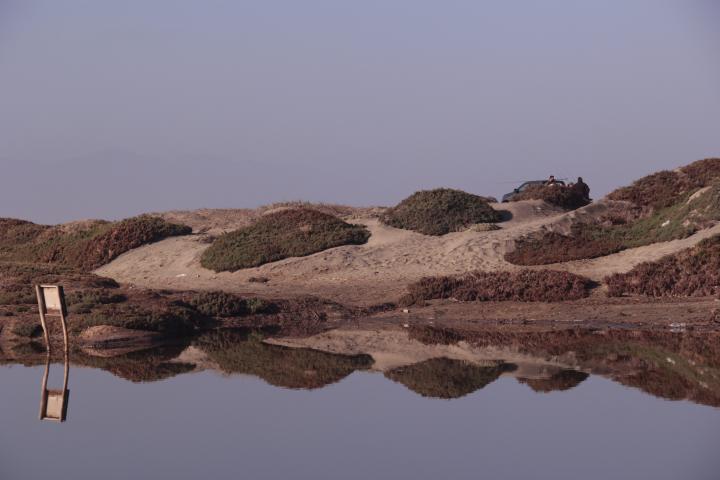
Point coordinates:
pixel 51 302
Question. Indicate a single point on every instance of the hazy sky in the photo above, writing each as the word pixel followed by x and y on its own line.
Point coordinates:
pixel 111 108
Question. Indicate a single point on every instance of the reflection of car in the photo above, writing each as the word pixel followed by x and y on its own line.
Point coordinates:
pixel 532 183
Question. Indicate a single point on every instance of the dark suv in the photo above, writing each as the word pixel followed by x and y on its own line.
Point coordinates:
pixel 531 183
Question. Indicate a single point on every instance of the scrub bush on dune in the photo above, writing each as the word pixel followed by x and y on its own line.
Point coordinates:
pixel 121 237
pixel 568 198
pixel 283 234
pixel 440 211
pixel 693 272
pixel 522 286
pixel 658 208
pixel 662 189
pixel 85 246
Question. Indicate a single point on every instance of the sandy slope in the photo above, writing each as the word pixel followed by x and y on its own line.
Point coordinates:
pixel 371 273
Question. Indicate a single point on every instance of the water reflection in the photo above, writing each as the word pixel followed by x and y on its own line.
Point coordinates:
pixel 431 363
pixel 448 378
pixel 54 402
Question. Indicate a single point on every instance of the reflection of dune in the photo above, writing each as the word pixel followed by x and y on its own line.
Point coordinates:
pixel 560 381
pixel 234 352
pixel 671 365
pixel 447 378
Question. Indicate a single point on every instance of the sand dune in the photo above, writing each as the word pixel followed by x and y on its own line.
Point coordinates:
pixel 366 274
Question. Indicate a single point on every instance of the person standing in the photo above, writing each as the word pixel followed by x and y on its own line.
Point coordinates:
pixel 583 188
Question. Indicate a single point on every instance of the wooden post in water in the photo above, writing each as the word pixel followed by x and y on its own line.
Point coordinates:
pixel 51 303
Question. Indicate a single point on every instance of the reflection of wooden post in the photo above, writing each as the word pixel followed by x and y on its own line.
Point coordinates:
pixel 54 403
pixel 51 301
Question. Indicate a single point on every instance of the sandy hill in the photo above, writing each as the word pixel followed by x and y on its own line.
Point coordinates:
pixel 372 273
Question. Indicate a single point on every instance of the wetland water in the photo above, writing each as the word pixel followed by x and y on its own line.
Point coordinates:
pixel 249 410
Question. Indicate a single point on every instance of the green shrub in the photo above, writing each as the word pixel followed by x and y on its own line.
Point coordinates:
pixel 279 235
pixel 222 304
pixel 83 301
pixel 440 211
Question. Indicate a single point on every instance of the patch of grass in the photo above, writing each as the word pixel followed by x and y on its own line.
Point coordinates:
pixel 691 273
pixel 222 304
pixel 440 211
pixel 569 198
pixel 236 352
pixel 446 378
pixel 279 235
pixel 83 301
pixel 14 294
pixel 27 330
pixel 522 286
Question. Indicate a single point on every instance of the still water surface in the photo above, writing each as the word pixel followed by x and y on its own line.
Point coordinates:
pixel 211 425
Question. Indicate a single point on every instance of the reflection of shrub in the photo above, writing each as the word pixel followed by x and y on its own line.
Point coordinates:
pixel 235 352
pixel 440 211
pixel 561 381
pixel 222 304
pixel 142 366
pixel 568 198
pixel 692 272
pixel 283 234
pixel 446 378
pixel 522 286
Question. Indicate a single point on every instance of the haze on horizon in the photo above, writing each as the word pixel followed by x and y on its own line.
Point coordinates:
pixel 109 109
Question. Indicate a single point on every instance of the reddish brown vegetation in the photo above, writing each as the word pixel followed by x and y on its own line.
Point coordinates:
pixel 569 198
pixel 522 286
pixel 122 237
pixel 552 247
pixel 662 189
pixel 84 246
pixel 691 273
pixel 662 208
